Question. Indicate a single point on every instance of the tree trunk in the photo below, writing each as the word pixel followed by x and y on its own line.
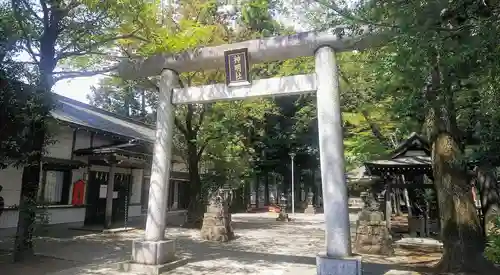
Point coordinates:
pixel 489 193
pixel 23 245
pixel 461 232
pixel 196 206
pixel 463 241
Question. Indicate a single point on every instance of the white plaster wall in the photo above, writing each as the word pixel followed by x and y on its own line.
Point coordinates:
pixel 9 219
pixel 10 179
pixel 82 139
pixel 137 181
pixel 57 216
pixel 66 215
pixel 61 148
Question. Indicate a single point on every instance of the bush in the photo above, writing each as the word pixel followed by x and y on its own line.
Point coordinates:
pixel 492 251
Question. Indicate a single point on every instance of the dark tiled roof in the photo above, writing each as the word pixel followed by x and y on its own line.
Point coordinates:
pixel 75 112
pixel 402 161
pixel 413 142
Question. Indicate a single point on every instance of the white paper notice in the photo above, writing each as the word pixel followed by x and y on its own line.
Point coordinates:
pixel 103 191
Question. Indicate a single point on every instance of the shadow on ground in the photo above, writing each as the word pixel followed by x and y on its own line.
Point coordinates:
pixel 263 246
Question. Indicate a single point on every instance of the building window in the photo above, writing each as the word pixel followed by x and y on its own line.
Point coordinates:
pixel 56 187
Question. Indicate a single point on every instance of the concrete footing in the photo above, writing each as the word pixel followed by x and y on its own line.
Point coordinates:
pixel 153 252
pixel 326 265
pixel 152 257
pixel 132 267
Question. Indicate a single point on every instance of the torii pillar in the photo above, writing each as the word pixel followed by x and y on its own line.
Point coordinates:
pixel 154 250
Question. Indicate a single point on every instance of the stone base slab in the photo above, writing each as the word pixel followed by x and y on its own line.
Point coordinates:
pixel 153 252
pixel 326 265
pixel 132 267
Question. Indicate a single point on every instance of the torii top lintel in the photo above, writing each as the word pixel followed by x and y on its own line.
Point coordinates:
pixel 259 50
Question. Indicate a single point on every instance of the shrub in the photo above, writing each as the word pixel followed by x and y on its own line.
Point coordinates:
pixel 492 251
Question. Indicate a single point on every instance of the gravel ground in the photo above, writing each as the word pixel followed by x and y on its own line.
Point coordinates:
pixel 263 246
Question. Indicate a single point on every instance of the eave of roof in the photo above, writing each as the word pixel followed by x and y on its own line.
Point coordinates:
pixel 77 113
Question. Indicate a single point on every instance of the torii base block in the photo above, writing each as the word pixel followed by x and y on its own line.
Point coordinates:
pixel 152 257
pixel 326 265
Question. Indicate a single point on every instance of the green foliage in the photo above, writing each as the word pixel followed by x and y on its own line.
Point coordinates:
pixel 20 106
pixel 492 251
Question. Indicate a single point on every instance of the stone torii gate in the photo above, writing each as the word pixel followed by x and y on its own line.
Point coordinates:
pixel 157 253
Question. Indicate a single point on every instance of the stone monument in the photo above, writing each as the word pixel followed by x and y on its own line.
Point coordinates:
pixel 372 235
pixel 217 220
pixel 310 207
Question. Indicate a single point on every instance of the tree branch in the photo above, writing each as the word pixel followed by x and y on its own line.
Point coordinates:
pixel 350 16
pixel 202 148
pixel 375 129
pixel 75 74
pixel 361 20
pixel 83 53
pixel 179 126
pixel 94 46
pixel 45 10
pixel 200 118
pixel 205 144
pixel 19 19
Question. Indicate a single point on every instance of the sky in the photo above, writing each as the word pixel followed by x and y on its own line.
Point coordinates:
pixel 79 88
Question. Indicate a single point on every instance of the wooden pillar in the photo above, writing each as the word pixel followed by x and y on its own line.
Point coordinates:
pixel 108 220
pixel 397 201
pixel 407 202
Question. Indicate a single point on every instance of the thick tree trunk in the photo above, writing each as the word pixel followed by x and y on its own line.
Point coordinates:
pixel 196 206
pixel 463 240
pixel 489 192
pixel 23 245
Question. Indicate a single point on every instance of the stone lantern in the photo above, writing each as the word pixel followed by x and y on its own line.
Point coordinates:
pixel 217 220
pixel 283 216
pixel 310 207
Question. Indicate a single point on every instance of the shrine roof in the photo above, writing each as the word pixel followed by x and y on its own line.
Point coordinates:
pixel 80 114
pixel 414 142
pixel 402 161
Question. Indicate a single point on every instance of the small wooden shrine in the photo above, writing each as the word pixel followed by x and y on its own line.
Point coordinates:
pixel 402 180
